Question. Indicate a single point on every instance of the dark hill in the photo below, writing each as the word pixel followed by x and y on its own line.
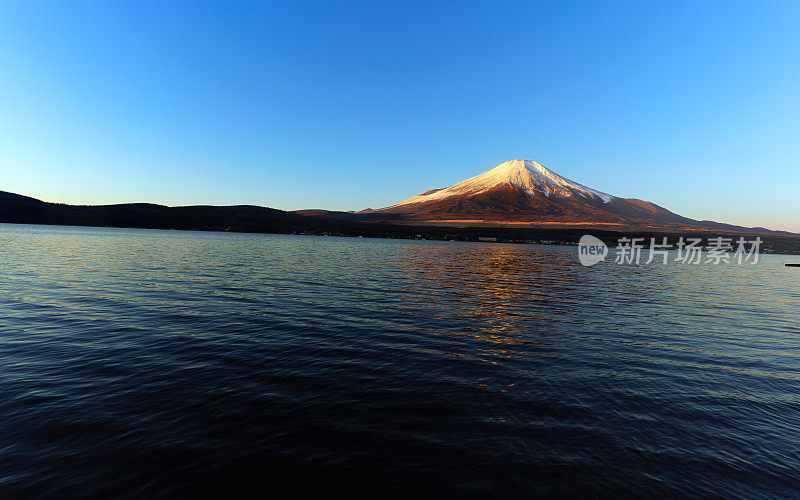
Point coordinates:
pixel 20 209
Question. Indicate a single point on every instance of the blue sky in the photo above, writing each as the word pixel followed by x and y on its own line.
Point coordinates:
pixel 347 105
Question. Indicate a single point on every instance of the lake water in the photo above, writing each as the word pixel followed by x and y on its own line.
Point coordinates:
pixel 152 363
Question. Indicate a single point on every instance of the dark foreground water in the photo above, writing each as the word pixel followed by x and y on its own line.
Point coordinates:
pixel 138 363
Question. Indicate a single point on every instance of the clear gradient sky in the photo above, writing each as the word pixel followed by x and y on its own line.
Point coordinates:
pixel 347 105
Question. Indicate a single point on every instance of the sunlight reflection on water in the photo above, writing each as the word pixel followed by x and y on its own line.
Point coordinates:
pixel 140 362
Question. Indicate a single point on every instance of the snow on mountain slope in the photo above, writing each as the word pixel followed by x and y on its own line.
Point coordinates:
pixel 527 175
pixel 525 192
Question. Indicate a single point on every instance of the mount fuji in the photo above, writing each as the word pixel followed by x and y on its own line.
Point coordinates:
pixel 525 191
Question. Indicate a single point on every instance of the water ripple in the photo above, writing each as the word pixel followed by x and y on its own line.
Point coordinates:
pixel 153 363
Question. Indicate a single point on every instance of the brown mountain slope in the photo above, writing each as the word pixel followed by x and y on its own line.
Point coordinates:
pixel 524 191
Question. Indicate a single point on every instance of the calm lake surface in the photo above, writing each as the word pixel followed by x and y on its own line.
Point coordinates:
pixel 151 363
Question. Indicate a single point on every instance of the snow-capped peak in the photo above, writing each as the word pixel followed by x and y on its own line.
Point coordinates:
pixel 528 175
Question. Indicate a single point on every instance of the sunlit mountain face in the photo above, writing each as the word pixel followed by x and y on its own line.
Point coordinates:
pixel 520 191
